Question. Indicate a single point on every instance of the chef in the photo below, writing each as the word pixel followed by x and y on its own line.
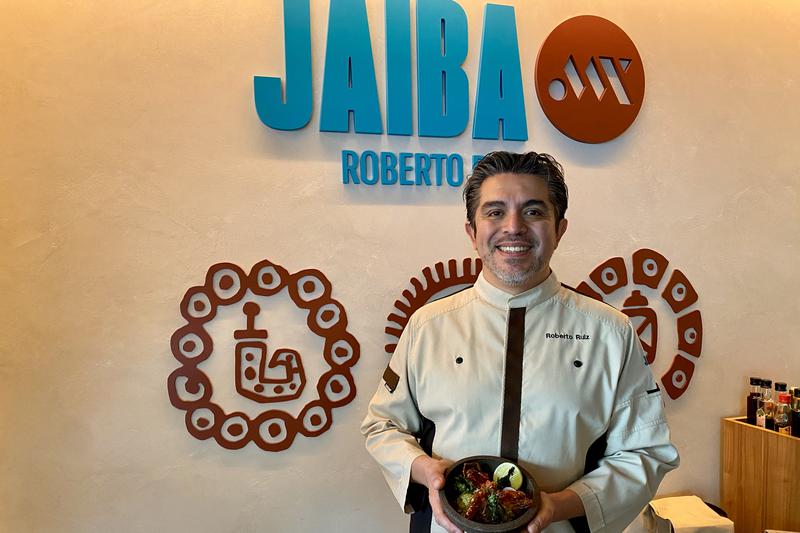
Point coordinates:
pixel 521 366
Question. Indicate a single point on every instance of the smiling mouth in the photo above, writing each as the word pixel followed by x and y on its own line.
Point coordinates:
pixel 514 248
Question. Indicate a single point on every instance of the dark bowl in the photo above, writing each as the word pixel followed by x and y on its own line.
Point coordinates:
pixel 488 463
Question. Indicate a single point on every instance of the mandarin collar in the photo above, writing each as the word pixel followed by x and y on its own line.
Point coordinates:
pixel 502 300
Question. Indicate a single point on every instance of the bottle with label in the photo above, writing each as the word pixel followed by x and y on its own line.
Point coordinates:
pixel 761 414
pixel 796 412
pixel 769 404
pixel 765 414
pixel 752 399
pixel 761 408
pixel 783 421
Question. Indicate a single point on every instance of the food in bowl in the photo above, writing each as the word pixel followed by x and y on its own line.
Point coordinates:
pixel 490 497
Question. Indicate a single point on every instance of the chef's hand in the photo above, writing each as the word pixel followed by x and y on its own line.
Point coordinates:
pixel 555 507
pixel 430 472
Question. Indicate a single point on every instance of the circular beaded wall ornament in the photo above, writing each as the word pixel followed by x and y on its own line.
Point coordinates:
pixel 649 269
pixel 259 376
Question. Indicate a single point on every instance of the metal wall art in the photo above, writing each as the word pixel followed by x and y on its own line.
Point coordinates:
pixel 263 374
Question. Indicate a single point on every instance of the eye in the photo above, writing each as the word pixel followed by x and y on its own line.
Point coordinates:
pixel 534 212
pixel 494 213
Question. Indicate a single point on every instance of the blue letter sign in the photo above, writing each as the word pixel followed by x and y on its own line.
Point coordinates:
pixel 442 85
pixel 294 112
pixel 349 80
pixel 398 67
pixel 499 98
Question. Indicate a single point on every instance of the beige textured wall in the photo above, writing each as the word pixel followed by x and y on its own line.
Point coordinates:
pixel 131 159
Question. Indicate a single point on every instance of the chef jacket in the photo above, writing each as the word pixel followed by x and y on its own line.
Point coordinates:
pixel 550 378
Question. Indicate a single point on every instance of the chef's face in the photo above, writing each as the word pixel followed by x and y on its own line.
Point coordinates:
pixel 515 231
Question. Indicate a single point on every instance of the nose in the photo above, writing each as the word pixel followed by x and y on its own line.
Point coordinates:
pixel 514 223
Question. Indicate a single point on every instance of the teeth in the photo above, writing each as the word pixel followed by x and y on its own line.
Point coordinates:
pixel 513 249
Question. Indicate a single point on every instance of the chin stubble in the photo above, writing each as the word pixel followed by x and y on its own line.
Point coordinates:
pixel 513 278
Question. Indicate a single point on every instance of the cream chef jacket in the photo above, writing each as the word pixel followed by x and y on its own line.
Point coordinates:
pixel 579 407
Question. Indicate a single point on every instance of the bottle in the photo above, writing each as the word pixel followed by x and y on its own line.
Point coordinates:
pixel 752 399
pixel 796 412
pixel 783 422
pixel 761 406
pixel 768 404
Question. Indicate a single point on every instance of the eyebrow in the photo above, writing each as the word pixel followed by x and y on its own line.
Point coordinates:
pixel 530 203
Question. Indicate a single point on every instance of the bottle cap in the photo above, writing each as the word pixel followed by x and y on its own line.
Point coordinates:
pixel 755 381
pixel 797 392
pixel 766 382
pixel 780 386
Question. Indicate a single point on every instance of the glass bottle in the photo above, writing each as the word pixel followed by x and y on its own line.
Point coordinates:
pixel 752 399
pixel 761 407
pixel 765 408
pixel 768 404
pixel 783 421
pixel 796 412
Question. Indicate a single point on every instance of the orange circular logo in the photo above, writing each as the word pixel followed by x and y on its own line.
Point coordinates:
pixel 589 79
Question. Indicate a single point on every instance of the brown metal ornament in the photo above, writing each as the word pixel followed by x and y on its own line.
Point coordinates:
pixel 648 270
pixel 586 290
pixel 261 377
pixel 679 293
pixel 646 322
pixel 649 267
pixel 677 378
pixel 610 275
pixel 690 333
pixel 425 290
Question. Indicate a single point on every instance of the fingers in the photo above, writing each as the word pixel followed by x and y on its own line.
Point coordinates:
pixel 534 527
pixel 436 481
pixel 436 469
pixel 537 525
pixel 438 513
pixel 430 472
pixel 544 516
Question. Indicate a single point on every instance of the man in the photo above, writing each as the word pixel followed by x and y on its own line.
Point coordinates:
pixel 523 367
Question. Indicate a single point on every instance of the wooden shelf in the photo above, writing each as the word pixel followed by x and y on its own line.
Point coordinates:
pixel 759 477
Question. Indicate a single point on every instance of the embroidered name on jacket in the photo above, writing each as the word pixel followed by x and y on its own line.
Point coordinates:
pixel 567 336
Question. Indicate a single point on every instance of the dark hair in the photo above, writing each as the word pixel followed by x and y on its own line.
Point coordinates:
pixel 542 165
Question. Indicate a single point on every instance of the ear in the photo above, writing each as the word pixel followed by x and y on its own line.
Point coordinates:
pixel 561 230
pixel 470 234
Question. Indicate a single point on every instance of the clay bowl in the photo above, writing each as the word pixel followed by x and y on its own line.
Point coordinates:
pixel 488 463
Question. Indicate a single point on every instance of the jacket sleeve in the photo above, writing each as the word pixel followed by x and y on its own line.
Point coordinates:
pixel 392 422
pixel 638 450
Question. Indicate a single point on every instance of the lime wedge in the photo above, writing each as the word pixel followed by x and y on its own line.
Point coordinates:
pixel 511 472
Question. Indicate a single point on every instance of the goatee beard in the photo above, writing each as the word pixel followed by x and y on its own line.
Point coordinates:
pixel 512 277
pixel 515 278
